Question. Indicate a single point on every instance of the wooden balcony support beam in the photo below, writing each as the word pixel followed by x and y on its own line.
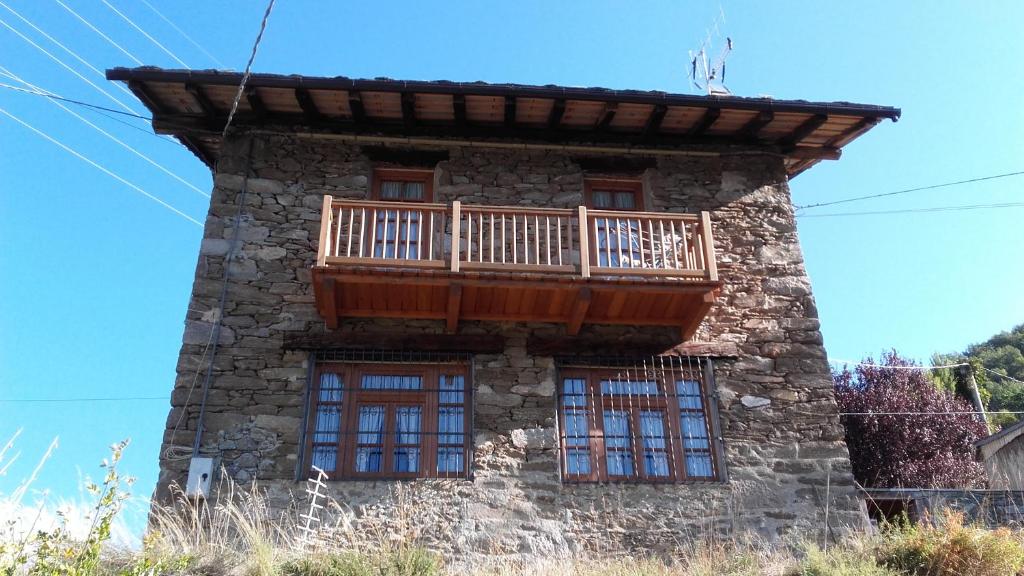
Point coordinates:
pixel 579 311
pixel 328 289
pixel 453 308
pixel 696 316
pixel 204 103
pixel 606 116
pixel 805 129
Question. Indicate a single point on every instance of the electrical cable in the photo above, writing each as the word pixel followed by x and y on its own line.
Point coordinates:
pixel 65 48
pixel 101 168
pixel 67 67
pixel 918 210
pixel 102 35
pixel 908 190
pixel 248 69
pixel 128 147
pixel 182 32
pixel 144 33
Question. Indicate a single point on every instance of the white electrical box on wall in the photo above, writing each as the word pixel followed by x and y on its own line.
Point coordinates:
pixel 200 477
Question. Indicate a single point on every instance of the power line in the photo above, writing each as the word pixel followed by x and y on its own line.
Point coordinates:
pixel 102 35
pixel 107 134
pixel 908 190
pixel 78 102
pixel 1001 375
pixel 960 208
pixel 68 68
pixel 101 168
pixel 182 32
pixel 63 47
pixel 144 33
pixel 109 399
pixel 866 365
pixel 248 68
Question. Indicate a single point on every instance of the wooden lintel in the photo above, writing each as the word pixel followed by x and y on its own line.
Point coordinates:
pixel 305 101
pixel 637 345
pixel 606 116
pixel 510 111
pixel 330 299
pixel 805 129
pixel 696 315
pixel 459 109
pixel 706 121
pixel 408 109
pixel 252 95
pixel 754 126
pixel 347 340
pixel 355 104
pixel 557 111
pixel 579 311
pixel 653 123
pixel 454 306
pixel 815 153
pixel 202 100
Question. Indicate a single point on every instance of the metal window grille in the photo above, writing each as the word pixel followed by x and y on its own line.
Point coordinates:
pixel 650 419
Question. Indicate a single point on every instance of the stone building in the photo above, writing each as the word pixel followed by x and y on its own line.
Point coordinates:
pixel 565 317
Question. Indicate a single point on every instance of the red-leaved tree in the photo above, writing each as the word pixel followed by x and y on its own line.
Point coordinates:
pixel 890 448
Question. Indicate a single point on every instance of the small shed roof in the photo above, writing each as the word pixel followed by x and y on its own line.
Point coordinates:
pixel 193 105
pixel 989 445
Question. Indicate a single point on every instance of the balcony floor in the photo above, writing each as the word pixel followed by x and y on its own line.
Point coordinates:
pixel 374 292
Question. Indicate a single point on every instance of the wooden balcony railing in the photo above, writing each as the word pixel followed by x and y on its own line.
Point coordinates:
pixel 516 239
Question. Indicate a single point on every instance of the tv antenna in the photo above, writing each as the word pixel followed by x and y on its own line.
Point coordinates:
pixel 706 74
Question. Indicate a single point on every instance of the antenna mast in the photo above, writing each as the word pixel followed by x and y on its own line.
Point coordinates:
pixel 707 75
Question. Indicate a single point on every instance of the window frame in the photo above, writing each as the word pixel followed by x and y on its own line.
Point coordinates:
pixel 428 398
pixel 665 401
pixel 634 185
pixel 421 175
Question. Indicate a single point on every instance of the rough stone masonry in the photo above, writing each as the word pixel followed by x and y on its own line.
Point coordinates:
pixel 782 438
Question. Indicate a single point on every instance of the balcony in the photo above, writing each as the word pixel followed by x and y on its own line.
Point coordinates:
pixel 513 264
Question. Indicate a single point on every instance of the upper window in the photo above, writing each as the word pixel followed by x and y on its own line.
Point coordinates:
pixel 606 194
pixel 638 424
pixel 390 421
pixel 403 185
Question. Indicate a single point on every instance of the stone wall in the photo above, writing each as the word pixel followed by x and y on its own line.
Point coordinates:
pixel 782 438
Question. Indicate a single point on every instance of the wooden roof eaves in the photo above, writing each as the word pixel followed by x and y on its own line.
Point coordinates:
pixel 149 74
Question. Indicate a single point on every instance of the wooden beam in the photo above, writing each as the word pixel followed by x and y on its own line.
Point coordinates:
pixel 557 111
pixel 841 139
pixel 454 306
pixel 579 311
pixel 654 119
pixel 355 104
pixel 754 126
pixel 476 343
pixel 815 153
pixel 309 109
pixel 607 115
pixel 147 98
pixel 408 109
pixel 330 296
pixel 202 100
pixel 510 111
pixel 805 129
pixel 459 109
pixel 654 342
pixel 697 315
pixel 706 121
pixel 252 95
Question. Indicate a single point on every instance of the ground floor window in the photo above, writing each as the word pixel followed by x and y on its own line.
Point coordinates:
pixel 647 420
pixel 389 420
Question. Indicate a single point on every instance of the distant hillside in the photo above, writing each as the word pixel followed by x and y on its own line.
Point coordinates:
pixel 1003 354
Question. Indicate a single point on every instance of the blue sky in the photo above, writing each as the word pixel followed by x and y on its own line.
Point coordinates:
pixel 95 278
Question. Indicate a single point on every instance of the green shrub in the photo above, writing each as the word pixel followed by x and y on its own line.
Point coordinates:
pixel 400 561
pixel 838 562
pixel 951 548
